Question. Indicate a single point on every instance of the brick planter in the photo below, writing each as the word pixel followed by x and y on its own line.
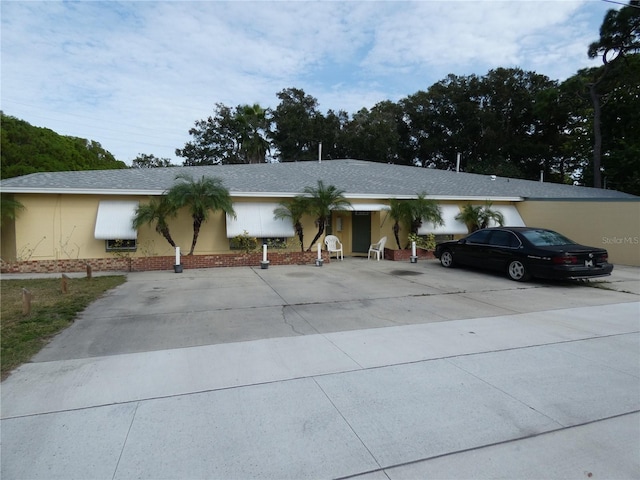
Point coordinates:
pixel 405 254
pixel 142 264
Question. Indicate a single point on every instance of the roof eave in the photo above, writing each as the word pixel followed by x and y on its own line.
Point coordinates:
pixel 154 192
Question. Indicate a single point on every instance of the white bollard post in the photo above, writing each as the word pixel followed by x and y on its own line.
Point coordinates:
pixel 264 264
pixel 414 257
pixel 319 260
pixel 177 267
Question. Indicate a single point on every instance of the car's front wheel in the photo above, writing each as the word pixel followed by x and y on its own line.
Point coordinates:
pixel 518 271
pixel 446 259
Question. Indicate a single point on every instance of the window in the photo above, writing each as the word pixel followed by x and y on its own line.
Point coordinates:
pixel 502 238
pixel 274 242
pixel 121 245
pixel 545 238
pixel 481 236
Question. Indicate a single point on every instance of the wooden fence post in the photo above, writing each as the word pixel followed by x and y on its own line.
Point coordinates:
pixel 65 286
pixel 26 302
pixel 89 272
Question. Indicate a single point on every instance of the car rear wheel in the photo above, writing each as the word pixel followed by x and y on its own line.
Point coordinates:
pixel 446 259
pixel 518 271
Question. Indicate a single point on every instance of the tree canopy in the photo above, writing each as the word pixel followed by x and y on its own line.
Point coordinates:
pixel 28 149
pixel 508 122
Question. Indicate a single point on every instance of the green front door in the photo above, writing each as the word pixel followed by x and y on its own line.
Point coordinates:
pixel 361 238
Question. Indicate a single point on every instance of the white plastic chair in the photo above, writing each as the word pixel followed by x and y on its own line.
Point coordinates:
pixel 334 246
pixel 377 248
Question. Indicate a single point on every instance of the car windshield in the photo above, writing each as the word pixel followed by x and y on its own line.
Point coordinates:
pixel 546 238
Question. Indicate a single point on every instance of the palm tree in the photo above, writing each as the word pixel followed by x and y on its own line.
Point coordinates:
pixel 293 210
pixel 476 217
pixel 200 197
pixel 487 214
pixel 422 210
pixel 9 208
pixel 400 212
pixel 157 211
pixel 321 201
pixel 470 216
pixel 252 121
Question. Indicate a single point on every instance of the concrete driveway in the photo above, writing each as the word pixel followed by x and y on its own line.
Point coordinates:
pixel 357 368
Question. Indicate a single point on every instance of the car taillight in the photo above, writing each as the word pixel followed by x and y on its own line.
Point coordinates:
pixel 565 260
pixel 603 258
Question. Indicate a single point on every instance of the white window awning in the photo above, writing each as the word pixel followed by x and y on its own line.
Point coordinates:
pixel 257 220
pixel 114 220
pixel 368 207
pixel 511 216
pixel 451 225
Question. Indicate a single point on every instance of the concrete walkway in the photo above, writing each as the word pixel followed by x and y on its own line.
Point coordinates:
pixel 373 370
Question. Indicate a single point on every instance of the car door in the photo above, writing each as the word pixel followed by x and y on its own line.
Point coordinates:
pixel 503 247
pixel 474 252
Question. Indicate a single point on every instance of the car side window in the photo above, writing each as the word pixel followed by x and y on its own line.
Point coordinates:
pixel 501 238
pixel 481 236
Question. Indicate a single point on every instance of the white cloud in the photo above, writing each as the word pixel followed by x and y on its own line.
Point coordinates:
pixel 135 76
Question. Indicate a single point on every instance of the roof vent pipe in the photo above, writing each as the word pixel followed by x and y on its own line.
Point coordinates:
pixel 320 152
pixel 458 162
pixel 541 176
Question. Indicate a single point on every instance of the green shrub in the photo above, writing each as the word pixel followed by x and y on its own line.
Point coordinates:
pixel 427 242
pixel 244 242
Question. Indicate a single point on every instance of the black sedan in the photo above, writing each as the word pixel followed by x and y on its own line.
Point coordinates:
pixel 524 252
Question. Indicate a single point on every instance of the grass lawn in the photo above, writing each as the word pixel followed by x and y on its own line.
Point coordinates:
pixel 51 311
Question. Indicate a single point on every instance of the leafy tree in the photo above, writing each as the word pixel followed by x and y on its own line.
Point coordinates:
pixel 619 37
pixel 236 135
pixel 334 134
pixel 10 208
pixel 298 126
pixel 293 210
pixel 476 217
pixel 492 121
pixel 441 122
pixel 157 212
pixel 400 212
pixel 214 140
pixel 321 200
pixel 619 34
pixel 28 149
pixel 150 161
pixel 201 197
pixel 373 134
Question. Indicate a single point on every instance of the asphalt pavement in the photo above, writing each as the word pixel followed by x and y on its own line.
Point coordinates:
pixel 356 369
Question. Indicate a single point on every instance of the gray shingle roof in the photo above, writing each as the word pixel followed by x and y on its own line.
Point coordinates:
pixel 356 178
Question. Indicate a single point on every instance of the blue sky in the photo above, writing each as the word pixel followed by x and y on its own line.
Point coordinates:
pixel 135 76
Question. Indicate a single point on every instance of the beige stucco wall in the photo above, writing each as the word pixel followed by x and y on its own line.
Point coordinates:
pixel 54 227
pixel 614 225
pixel 8 241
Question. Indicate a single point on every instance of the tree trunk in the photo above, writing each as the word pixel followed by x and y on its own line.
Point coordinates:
pixel 597 136
pixel 318 235
pixel 300 234
pixel 196 232
pixel 165 233
pixel 396 229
